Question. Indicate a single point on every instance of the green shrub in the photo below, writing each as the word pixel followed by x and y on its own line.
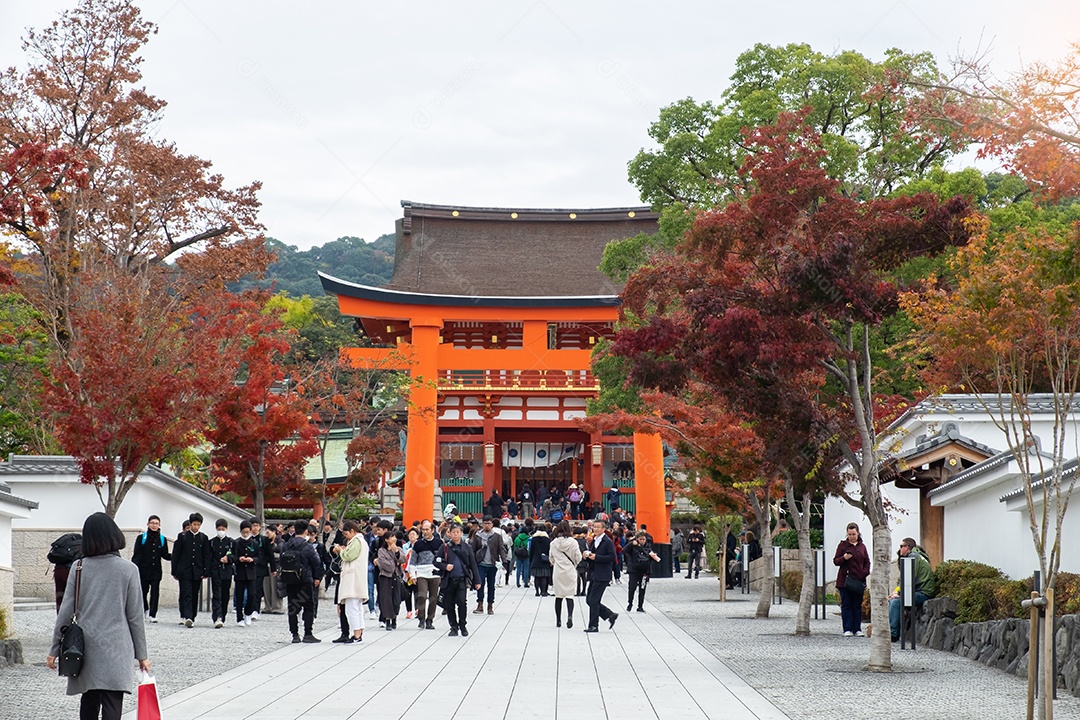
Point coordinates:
pixel 990 599
pixel 3 624
pixel 832 599
pixel 1066 594
pixel 690 518
pixel 789 539
pixel 953 576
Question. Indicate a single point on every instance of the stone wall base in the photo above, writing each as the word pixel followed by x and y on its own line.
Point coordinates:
pixel 1002 644
pixel 33 572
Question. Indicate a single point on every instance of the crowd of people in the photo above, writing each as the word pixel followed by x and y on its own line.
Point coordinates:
pixel 555 503
pixel 430 568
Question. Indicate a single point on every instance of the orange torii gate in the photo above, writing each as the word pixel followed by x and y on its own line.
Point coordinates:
pixel 499 371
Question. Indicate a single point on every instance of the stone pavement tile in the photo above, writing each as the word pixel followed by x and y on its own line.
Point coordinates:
pixel 514 664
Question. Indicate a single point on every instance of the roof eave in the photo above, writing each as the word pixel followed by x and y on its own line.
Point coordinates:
pixel 337 286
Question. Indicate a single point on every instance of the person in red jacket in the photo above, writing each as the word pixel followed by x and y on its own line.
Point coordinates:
pixel 854 563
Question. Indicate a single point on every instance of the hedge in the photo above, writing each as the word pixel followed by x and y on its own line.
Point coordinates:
pixel 789 539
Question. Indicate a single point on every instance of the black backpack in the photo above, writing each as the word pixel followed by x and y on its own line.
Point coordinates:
pixel 65 549
pixel 292 567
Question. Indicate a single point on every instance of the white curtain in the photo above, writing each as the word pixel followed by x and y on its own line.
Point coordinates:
pixel 528 454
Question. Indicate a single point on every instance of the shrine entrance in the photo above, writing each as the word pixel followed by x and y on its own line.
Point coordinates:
pixel 561 476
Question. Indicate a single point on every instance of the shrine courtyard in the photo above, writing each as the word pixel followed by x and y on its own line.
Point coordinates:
pixel 689 656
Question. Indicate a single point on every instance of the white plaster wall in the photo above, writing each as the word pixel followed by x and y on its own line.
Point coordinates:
pixel 5 541
pixel 64 505
pixel 839 513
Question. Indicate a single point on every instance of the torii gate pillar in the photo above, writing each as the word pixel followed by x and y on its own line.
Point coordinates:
pixel 652 508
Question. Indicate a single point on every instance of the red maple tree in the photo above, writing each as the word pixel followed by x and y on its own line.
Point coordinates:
pixel 769 301
pixel 261 432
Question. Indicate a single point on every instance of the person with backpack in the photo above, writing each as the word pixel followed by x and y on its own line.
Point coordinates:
pixel 575 497
pixel 150 549
pixel 64 551
pixel 301 570
pixel 521 553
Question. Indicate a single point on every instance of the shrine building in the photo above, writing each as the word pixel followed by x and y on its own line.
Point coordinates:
pixel 495 313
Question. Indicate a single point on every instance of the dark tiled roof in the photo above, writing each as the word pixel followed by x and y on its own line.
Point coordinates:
pixel 67 465
pixel 6 496
pixel 489 252
pixel 1068 471
pixel 950 436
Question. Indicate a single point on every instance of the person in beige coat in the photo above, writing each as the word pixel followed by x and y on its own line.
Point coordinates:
pixel 353 588
pixel 565 554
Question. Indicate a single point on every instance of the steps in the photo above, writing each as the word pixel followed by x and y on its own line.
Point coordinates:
pixel 33 603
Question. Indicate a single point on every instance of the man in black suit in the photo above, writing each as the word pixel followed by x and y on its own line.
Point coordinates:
pixel 601 551
pixel 191 562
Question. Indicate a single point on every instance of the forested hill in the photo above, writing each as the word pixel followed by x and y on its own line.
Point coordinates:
pixel 349 258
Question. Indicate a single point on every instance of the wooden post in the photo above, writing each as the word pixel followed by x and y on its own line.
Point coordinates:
pixel 1048 656
pixel 1033 650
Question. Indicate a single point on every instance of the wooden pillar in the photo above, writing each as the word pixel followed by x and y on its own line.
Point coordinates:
pixel 931 529
pixel 649 485
pixel 421 452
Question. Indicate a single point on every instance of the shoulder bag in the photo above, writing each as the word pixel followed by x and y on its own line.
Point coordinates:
pixel 72 645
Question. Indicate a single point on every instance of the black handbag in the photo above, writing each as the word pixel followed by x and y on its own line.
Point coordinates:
pixel 72 643
pixel 855 585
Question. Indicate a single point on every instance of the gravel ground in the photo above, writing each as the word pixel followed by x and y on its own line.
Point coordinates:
pixel 823 675
pixel 181 657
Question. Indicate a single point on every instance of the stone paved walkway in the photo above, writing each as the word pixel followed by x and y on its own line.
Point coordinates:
pixel 689 656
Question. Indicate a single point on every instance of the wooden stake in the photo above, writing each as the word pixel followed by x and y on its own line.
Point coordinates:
pixel 1048 657
pixel 1033 650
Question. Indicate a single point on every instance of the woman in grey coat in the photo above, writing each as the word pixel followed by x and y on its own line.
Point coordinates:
pixel 111 616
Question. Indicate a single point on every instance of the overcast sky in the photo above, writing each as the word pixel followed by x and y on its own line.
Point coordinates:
pixel 343 109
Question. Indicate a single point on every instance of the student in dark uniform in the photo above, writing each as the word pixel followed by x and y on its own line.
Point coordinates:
pixel 191 562
pixel 221 572
pixel 244 555
pixel 150 549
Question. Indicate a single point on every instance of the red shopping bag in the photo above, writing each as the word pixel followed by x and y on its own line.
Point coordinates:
pixel 149 708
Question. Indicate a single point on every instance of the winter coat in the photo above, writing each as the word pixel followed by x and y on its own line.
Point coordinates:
pixel 111 616
pixel 539 554
pixel 858 566
pixel 389 562
pixel 565 555
pixel 354 565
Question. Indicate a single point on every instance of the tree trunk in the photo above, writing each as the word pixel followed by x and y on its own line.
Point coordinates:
pixel 761 514
pixel 880 642
pixel 768 586
pixel 800 515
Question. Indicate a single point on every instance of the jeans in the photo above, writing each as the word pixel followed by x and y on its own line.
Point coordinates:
pixel 896 608
pixel 693 565
pixel 523 571
pixel 371 589
pixel 850 610
pixel 488 573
